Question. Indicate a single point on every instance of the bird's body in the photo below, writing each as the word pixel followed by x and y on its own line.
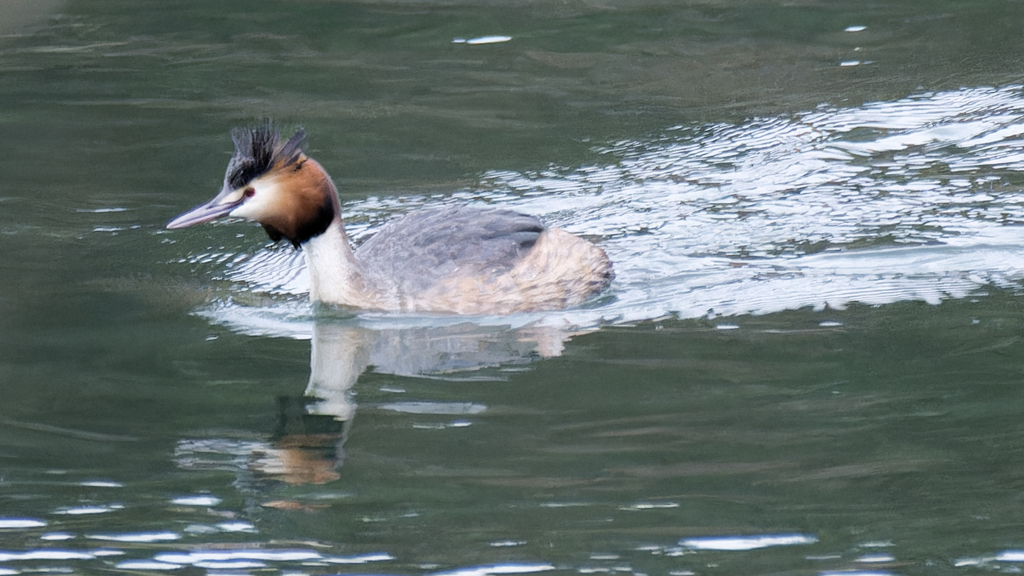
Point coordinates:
pixel 458 259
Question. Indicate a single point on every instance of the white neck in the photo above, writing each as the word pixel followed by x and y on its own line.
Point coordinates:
pixel 335 275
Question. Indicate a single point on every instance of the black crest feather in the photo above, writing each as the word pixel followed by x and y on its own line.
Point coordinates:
pixel 257 150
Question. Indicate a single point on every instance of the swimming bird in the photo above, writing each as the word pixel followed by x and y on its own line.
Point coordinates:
pixel 450 259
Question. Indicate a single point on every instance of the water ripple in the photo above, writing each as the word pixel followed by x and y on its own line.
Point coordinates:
pixel 20 523
pixel 740 543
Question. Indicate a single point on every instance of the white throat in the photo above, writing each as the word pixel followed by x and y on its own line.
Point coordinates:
pixel 335 276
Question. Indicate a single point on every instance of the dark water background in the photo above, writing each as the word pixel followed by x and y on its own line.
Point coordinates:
pixel 811 361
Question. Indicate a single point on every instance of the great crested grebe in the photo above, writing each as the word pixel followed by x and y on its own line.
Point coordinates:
pixel 453 259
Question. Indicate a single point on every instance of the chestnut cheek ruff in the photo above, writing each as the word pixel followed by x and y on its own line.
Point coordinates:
pixel 299 232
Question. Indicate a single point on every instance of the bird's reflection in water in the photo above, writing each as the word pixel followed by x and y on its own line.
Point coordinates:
pixel 307 446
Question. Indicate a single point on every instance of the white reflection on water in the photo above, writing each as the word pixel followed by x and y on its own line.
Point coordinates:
pixel 650 506
pixel 102 484
pixel 876 558
pixel 482 40
pixel 137 537
pixel 199 500
pixel 146 565
pixel 261 555
pixel 453 408
pixel 740 543
pixel 510 568
pixel 83 510
pixel 904 200
pixel 50 554
pixel 17 523
pixel 856 573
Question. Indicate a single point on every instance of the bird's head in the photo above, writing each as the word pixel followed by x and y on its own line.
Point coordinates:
pixel 273 183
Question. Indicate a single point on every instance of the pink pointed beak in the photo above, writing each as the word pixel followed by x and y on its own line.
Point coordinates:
pixel 205 212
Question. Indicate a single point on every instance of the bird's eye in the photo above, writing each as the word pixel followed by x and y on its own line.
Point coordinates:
pixel 249 192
